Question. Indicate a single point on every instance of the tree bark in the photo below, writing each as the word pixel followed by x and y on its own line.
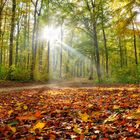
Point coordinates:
pixel 48 58
pixel 40 57
pixel 61 50
pixel 12 32
pixel 95 42
pixel 91 68
pixel 121 53
pixel 135 46
pixel 33 41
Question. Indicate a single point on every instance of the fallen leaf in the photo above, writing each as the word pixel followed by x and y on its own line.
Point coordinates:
pixel 37 114
pixel 39 125
pixel 13 129
pixel 111 118
pixel 10 112
pixel 25 107
pixel 77 130
pixel 84 116
pixel 115 107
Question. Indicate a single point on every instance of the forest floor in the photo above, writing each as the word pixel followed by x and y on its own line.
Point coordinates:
pixel 6 86
pixel 69 110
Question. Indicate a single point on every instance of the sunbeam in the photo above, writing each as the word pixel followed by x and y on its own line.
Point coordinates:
pixel 50 33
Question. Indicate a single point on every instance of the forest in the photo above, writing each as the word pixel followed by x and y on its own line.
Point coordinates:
pixel 43 40
pixel 69 69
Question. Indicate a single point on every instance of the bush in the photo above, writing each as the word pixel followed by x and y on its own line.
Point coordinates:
pixel 4 72
pixel 19 74
pixel 127 75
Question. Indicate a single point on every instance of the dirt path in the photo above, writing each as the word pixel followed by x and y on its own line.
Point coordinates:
pixel 14 86
pixel 76 83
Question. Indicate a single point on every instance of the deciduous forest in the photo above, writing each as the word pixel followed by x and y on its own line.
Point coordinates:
pixel 69 69
pixel 49 39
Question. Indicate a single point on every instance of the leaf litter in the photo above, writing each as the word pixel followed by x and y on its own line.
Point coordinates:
pixel 70 113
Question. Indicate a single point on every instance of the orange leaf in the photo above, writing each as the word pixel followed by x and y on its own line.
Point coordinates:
pixel 37 114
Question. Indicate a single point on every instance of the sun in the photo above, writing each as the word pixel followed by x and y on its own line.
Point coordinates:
pixel 50 33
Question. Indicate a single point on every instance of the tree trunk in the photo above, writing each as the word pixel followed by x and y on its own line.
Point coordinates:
pixel 12 32
pixel 126 56
pixel 121 53
pixel 91 68
pixel 106 51
pixel 33 41
pixel 40 57
pixel 95 42
pixel 61 51
pixel 2 4
pixel 17 43
pixel 48 58
pixel 135 46
pixel 1 39
pixel 28 40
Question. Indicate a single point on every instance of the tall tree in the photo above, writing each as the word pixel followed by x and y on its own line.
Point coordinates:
pixel 37 13
pixel 12 32
pixel 2 5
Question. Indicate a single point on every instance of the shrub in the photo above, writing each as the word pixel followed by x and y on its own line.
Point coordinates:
pixel 128 75
pixel 19 74
pixel 4 72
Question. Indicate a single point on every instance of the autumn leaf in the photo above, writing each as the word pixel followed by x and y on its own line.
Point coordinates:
pixel 37 114
pixel 115 107
pixel 26 118
pixel 25 107
pixel 111 118
pixel 135 95
pixel 10 112
pixel 84 116
pixel 77 130
pixel 41 96
pixel 39 125
pixel 12 128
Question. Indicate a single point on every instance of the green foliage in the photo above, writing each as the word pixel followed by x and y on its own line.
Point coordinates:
pixel 19 74
pixel 3 72
pixel 41 76
pixel 128 75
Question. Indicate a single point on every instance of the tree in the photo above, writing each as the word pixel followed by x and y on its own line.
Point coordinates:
pixel 35 34
pixel 12 33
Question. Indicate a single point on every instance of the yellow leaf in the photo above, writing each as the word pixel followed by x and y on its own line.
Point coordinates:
pixel 0 106
pixel 90 105
pixel 97 113
pixel 39 125
pixel 135 95
pixel 18 108
pixel 111 118
pixel 116 107
pixel 41 97
pixel 10 112
pixel 77 130
pixel 13 129
pixel 84 116
pixel 86 131
pixel 18 104
pixel 25 107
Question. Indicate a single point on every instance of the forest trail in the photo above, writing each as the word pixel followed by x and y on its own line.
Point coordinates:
pixel 75 83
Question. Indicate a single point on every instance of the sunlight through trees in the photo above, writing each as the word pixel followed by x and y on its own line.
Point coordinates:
pixel 53 40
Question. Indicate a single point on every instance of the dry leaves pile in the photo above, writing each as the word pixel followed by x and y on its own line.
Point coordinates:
pixel 72 113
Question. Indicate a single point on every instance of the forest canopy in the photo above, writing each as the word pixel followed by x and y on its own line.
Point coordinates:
pixel 63 39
